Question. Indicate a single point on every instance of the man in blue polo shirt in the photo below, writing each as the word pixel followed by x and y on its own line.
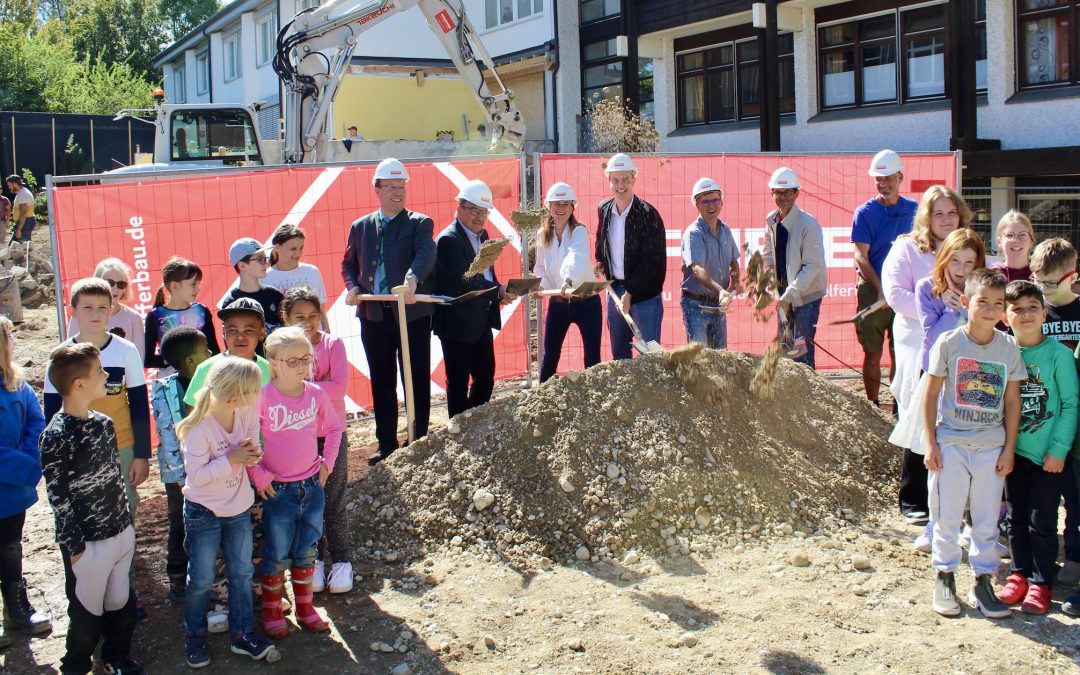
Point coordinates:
pixel 876 226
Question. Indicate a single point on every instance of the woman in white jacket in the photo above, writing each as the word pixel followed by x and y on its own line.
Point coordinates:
pixel 563 262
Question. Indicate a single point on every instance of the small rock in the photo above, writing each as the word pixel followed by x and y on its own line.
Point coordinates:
pixel 860 562
pixel 688 640
pixel 631 558
pixel 482 499
pixel 786 528
pixel 702 516
pixel 583 553
pixel 489 642
pixel 566 485
pixel 575 644
pixel 859 590
pixel 401 669
pixel 453 427
pixel 573 375
pixel 800 560
pixel 385 648
pixel 612 470
pixel 537 433
pixel 392 556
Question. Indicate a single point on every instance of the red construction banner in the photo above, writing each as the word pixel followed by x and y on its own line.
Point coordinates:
pixel 198 217
pixel 833 186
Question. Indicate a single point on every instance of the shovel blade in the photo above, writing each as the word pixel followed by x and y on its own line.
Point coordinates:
pixel 650 347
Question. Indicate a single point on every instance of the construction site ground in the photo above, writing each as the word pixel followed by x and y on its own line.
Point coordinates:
pixel 849 597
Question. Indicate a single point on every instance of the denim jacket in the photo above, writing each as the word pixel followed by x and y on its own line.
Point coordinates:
pixel 167 400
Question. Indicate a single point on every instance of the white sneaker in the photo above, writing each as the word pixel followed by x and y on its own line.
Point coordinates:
pixel 340 578
pixel 924 542
pixel 318 579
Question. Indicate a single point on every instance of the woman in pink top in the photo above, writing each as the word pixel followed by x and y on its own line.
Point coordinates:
pixel 290 477
pixel 220 438
pixel 910 260
pixel 301 307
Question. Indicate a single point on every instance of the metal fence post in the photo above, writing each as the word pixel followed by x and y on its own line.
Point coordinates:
pixel 525 267
pixel 58 282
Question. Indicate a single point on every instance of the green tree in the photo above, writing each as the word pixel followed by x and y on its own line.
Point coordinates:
pixel 117 31
pixel 18 77
pixel 22 12
pixel 183 16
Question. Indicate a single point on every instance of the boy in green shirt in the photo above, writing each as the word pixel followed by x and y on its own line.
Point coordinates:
pixel 243 327
pixel 1048 413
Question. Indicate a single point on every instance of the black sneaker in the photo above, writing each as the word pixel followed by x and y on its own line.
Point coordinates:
pixel 1071 606
pixel 945 602
pixel 256 646
pixel 982 596
pixel 126 666
pixel 198 656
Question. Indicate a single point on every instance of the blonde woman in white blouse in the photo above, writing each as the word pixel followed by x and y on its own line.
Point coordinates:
pixel 563 262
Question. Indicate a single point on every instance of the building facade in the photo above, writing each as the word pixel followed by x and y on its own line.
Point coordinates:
pixel 998 79
pixel 228 60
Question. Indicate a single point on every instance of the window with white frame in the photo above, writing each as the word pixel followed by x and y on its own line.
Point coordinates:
pixel 891 57
pixel 179 82
pixel 499 12
pixel 265 38
pixel 232 56
pixel 202 72
pixel 308 4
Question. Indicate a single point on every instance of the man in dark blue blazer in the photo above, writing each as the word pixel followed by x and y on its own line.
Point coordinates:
pixel 465 329
pixel 387 248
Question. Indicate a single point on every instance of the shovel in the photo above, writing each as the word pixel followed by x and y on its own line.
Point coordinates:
pixel 862 313
pixel 793 349
pixel 406 362
pixel 650 347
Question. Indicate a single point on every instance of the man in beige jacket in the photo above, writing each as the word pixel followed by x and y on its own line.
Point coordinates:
pixel 795 250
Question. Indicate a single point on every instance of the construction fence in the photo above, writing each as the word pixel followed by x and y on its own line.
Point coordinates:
pixel 145 220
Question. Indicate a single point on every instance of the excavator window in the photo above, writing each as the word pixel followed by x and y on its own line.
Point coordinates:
pixel 215 135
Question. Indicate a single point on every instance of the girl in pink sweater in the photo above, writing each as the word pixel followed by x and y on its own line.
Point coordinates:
pixel 290 477
pixel 220 437
pixel 330 370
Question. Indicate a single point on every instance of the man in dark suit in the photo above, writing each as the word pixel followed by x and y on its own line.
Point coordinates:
pixel 631 251
pixel 387 248
pixel 465 329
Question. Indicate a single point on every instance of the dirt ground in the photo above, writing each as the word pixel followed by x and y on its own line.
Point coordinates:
pixel 782 604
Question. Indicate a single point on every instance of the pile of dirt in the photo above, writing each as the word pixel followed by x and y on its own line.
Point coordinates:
pixel 667 454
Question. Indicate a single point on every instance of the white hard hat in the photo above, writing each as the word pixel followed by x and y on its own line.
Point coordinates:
pixel 620 162
pixel 702 186
pixel 560 192
pixel 784 178
pixel 477 193
pixel 389 169
pixel 885 163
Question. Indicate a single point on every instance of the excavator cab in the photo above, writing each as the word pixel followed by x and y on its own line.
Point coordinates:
pixel 225 135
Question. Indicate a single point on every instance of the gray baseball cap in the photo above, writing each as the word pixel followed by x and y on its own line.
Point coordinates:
pixel 242 248
pixel 242 305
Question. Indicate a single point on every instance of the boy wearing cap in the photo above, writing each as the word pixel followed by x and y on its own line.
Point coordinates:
pixel 250 260
pixel 465 329
pixel 795 250
pixel 631 251
pixel 243 327
pixel 710 268
pixel 875 227
pixel 387 248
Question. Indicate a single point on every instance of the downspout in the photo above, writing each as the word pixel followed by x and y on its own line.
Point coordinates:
pixel 555 71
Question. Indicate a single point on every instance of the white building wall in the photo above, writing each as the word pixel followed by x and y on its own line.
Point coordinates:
pixel 1016 124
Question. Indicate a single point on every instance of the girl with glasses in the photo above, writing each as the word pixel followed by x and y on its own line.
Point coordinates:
pixel 124 321
pixel 1015 237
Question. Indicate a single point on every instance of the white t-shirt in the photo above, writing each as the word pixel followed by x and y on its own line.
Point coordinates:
pixel 616 236
pixel 24 196
pixel 304 275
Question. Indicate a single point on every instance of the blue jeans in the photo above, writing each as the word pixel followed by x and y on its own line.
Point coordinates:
pixel 708 328
pixel 587 316
pixel 806 320
pixel 204 534
pixel 292 524
pixel 648 315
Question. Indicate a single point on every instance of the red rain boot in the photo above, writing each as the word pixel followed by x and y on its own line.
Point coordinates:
pixel 273 621
pixel 305 612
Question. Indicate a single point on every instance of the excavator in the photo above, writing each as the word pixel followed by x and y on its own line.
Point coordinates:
pixel 313 52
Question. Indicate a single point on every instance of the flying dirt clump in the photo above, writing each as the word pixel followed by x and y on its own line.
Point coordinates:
pixel 666 454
